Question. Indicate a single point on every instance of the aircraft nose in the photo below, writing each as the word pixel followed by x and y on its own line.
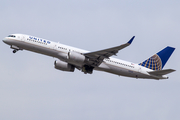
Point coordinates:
pixel 5 40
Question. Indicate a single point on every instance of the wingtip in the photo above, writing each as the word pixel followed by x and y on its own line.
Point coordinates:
pixel 130 41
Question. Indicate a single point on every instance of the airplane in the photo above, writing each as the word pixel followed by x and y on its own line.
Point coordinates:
pixel 70 58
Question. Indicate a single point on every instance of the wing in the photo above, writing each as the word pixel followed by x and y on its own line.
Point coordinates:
pixel 98 56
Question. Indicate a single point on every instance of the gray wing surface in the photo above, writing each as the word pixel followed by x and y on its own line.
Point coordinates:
pixel 98 56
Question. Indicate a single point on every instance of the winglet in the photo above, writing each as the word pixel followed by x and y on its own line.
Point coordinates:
pixel 130 41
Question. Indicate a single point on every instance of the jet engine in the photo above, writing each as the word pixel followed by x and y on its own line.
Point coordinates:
pixel 76 58
pixel 60 65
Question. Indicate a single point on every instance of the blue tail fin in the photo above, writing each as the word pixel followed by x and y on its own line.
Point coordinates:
pixel 157 61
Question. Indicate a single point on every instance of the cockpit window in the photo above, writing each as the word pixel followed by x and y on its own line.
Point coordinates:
pixel 11 36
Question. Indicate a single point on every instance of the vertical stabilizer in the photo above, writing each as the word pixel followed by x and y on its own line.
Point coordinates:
pixel 157 61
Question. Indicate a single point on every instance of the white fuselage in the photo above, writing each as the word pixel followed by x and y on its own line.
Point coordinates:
pixel 60 51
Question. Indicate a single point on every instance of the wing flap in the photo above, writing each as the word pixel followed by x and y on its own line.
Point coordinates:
pixel 161 72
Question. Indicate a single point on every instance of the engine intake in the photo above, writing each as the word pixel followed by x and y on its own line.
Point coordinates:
pixel 60 65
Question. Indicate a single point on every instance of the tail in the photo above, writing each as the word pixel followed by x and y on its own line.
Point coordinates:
pixel 158 61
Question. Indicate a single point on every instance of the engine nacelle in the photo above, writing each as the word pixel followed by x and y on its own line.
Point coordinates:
pixel 76 58
pixel 60 65
pixel 62 56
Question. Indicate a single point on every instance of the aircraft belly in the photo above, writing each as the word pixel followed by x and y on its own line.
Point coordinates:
pixel 121 71
pixel 35 48
pixel 113 69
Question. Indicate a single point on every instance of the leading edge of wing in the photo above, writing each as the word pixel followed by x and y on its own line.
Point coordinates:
pixel 106 53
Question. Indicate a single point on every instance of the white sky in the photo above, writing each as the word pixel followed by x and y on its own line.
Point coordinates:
pixel 30 87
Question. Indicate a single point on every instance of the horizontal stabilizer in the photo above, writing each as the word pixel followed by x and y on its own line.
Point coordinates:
pixel 161 72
